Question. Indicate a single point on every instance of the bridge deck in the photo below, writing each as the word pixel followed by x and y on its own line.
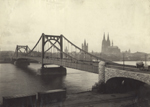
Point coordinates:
pixel 89 66
pixel 80 65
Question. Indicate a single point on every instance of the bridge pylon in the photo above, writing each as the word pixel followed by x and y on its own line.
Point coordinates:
pixel 18 50
pixel 59 40
pixel 21 50
pixel 49 38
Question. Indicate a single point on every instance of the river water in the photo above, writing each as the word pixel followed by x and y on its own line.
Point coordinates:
pixel 18 81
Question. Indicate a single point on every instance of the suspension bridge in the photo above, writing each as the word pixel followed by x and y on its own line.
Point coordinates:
pixel 58 50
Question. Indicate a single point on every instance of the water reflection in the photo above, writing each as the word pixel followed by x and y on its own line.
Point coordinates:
pixel 47 82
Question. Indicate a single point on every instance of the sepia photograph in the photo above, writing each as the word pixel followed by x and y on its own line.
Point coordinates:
pixel 74 53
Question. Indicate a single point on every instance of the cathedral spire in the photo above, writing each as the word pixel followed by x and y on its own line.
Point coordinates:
pixel 108 41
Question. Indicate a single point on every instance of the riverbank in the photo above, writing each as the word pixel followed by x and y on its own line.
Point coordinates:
pixel 93 99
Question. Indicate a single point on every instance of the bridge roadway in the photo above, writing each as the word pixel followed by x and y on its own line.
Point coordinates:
pixel 90 66
pixel 80 65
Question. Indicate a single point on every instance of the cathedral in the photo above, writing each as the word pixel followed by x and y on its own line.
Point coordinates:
pixel 108 48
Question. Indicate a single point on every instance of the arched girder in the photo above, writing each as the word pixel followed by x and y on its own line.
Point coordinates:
pixel 22 48
pixel 56 40
pixel 53 37
pixel 26 48
pixel 19 47
pixel 52 44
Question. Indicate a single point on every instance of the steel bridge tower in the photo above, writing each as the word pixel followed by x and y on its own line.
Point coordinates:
pixel 49 38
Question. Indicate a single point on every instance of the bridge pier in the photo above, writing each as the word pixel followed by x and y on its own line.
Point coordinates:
pixel 101 72
pixel 21 63
pixel 52 70
pixel 100 86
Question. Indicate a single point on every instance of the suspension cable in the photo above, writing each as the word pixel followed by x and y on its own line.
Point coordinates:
pixel 35 45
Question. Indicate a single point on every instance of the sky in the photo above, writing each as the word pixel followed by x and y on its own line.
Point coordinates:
pixel 126 21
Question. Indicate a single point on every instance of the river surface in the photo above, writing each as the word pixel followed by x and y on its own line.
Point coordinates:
pixel 18 81
pixel 131 62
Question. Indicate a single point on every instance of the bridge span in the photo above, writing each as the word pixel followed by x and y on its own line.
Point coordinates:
pixel 80 65
pixel 60 51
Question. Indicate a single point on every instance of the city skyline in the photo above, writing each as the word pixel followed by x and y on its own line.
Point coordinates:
pixel 126 21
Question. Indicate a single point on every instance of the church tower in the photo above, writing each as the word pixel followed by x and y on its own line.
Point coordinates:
pixel 85 46
pixel 103 44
